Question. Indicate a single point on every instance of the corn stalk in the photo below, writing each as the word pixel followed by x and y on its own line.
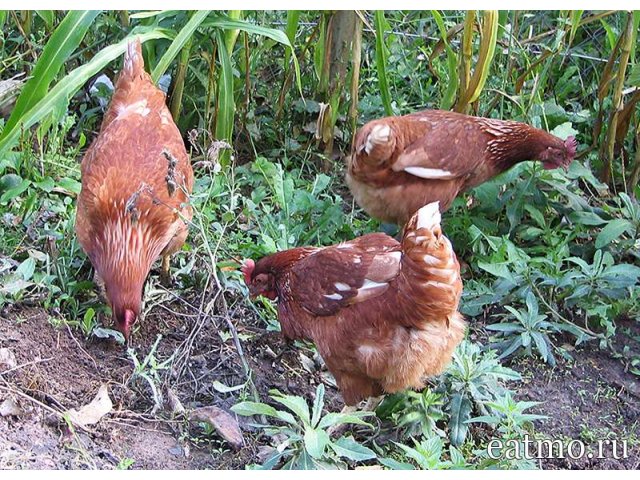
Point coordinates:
pixel 488 38
pixel 338 43
pixel 178 81
pixel 608 148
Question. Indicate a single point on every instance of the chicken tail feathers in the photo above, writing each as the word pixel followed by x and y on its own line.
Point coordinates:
pixel 133 61
pixel 430 268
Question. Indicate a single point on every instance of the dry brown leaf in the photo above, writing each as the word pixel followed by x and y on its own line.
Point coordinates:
pixel 7 359
pixel 174 402
pixel 224 423
pixel 92 412
pixel 10 407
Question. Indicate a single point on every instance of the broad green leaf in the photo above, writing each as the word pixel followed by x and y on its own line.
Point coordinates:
pixel 333 418
pixel 149 14
pixel 490 419
pixel 293 17
pixel 318 403
pixel 497 269
pixel 541 345
pixel 564 130
pixel 315 442
pixel 297 405
pixel 26 269
pixel 504 327
pixel 612 231
pixel 48 16
pixel 303 462
pixel 70 185
pixel 460 413
pixel 226 102
pixel 395 465
pixel 16 191
pixel 247 409
pixel 349 448
pixel 63 42
pixel 586 218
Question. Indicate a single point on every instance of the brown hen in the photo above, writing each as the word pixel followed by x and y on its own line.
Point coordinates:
pixel 383 314
pixel 399 164
pixel 136 181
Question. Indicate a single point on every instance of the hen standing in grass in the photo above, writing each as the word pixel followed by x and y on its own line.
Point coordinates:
pixel 136 181
pixel 399 164
pixel 383 314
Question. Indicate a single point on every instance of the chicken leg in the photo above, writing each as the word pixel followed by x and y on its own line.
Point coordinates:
pixel 165 276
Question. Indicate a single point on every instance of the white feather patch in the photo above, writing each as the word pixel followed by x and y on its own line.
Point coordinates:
pixel 379 134
pixel 370 284
pixel 430 173
pixel 334 296
pixel 396 256
pixel 429 216
pixel 431 260
pixel 343 287
pixel 137 108
pixel 368 350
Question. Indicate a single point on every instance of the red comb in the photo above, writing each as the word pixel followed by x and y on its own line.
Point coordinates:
pixel 571 145
pixel 247 269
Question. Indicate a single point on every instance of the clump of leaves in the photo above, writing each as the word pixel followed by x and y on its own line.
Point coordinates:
pixel 530 329
pixel 415 413
pixel 472 381
pixel 428 454
pixel 300 439
pixel 509 416
pixel 289 210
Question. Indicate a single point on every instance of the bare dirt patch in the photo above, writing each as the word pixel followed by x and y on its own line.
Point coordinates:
pixel 57 369
pixel 591 398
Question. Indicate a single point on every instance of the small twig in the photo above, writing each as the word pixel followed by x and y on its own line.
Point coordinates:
pixel 29 398
pixel 34 362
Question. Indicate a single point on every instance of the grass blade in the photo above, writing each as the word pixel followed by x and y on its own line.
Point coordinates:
pixel 293 18
pixel 576 16
pixel 178 83
pixel 452 84
pixel 488 38
pixel 279 36
pixel 381 61
pixel 231 35
pixel 226 107
pixel 63 42
pixel 178 43
pixel 48 16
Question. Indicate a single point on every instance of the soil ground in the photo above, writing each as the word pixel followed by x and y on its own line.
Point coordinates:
pixel 56 369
